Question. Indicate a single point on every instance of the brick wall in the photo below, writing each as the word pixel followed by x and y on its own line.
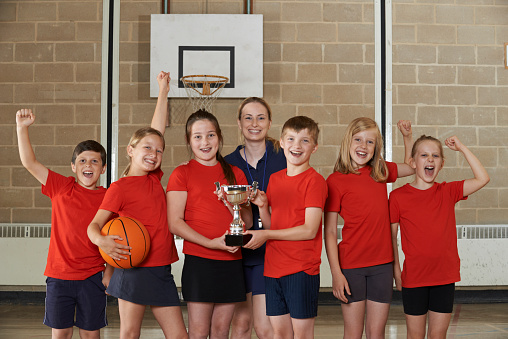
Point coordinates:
pixel 318 61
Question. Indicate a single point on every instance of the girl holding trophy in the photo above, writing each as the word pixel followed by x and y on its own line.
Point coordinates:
pixel 212 277
pixel 259 157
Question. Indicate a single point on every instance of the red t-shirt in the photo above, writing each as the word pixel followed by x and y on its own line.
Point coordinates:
pixel 71 255
pixel 288 197
pixel 143 198
pixel 428 232
pixel 363 204
pixel 204 212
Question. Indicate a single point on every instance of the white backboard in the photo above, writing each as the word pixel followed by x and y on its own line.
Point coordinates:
pixel 230 45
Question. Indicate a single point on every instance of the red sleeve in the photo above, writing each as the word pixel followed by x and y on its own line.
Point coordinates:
pixel 56 183
pixel 113 200
pixel 334 200
pixel 457 190
pixel 394 208
pixel 241 179
pixel 178 179
pixel 316 195
pixel 392 171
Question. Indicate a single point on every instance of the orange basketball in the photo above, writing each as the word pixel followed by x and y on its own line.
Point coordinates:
pixel 134 234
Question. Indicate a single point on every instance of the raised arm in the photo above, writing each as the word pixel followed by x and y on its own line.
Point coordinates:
pixel 396 262
pixel 481 177
pixel 160 115
pixel 176 201
pixel 340 285
pixel 25 118
pixel 404 169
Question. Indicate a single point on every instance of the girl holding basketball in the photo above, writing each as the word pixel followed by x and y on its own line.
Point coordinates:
pixel 362 264
pixel 425 211
pixel 259 157
pixel 139 194
pixel 212 276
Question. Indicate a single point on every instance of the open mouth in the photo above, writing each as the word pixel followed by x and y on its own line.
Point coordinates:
pixel 295 153
pixel 361 154
pixel 429 170
pixel 88 174
pixel 205 150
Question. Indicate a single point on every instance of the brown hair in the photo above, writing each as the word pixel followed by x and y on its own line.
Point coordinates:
pixel 136 138
pixel 204 115
pixel 344 163
pixel 89 145
pixel 299 123
pixel 423 138
pixel 261 101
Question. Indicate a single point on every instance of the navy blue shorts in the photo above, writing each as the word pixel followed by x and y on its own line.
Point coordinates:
pixel 145 286
pixel 420 300
pixel 373 283
pixel 296 294
pixel 212 281
pixel 84 300
pixel 254 279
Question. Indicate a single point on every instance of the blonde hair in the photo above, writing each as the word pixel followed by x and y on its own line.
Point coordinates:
pixel 136 138
pixel 344 162
pixel 204 115
pixel 423 138
pixel 261 101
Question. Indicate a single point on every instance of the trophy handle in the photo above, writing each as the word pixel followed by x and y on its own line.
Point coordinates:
pixel 217 185
pixel 253 191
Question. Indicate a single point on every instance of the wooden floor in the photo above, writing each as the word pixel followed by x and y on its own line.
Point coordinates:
pixel 468 321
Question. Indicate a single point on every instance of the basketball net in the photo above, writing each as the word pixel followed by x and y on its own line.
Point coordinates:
pixel 203 90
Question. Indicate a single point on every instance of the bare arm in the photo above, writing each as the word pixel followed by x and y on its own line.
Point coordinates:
pixel 396 262
pixel 261 201
pixel 481 177
pixel 25 118
pixel 107 243
pixel 176 201
pixel 340 285
pixel 404 170
pixel 307 231
pixel 159 120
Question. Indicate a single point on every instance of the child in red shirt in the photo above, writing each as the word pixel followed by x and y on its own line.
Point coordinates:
pixel 139 194
pixel 75 275
pixel 361 265
pixel 292 232
pixel 425 211
pixel 212 276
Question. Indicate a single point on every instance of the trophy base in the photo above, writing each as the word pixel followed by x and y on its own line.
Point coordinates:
pixel 237 239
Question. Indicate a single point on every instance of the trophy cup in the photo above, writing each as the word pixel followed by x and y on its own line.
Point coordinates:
pixel 235 195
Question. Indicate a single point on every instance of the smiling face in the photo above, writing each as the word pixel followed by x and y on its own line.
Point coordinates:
pixel 254 122
pixel 88 168
pixel 363 147
pixel 298 147
pixel 427 162
pixel 204 142
pixel 146 156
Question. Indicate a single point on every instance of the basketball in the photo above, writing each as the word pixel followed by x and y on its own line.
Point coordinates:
pixel 134 234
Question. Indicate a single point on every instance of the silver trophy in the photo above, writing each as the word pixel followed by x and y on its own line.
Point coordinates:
pixel 236 195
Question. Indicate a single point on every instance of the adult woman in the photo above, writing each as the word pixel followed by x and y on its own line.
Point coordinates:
pixel 259 157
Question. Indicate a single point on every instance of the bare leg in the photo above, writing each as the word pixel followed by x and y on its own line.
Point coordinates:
pixel 438 324
pixel 262 324
pixel 416 326
pixel 282 326
pixel 200 319
pixel 170 319
pixel 221 320
pixel 131 317
pixel 61 333
pixel 303 328
pixel 353 314
pixel 377 316
pixel 84 334
pixel 243 319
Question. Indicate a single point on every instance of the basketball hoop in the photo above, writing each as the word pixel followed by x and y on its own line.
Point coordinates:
pixel 202 90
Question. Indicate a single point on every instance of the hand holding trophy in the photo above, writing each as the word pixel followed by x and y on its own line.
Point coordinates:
pixel 234 196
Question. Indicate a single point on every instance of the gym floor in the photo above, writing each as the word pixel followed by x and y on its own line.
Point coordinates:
pixel 468 321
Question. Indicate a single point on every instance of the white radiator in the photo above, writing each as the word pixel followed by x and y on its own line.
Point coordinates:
pixel 483 251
